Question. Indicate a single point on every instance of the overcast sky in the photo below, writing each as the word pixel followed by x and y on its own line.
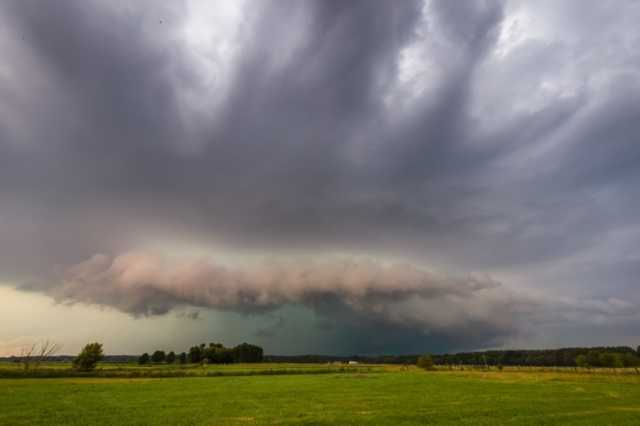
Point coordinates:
pixel 329 177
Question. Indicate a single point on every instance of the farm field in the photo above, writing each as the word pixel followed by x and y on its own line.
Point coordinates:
pixel 356 395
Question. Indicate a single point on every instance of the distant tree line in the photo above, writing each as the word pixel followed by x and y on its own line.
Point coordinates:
pixel 613 357
pixel 617 356
pixel 213 353
pixel 216 353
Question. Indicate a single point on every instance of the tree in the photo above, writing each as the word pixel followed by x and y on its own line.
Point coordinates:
pixel 182 358
pixel 171 357
pixel 247 353
pixel 426 362
pixel 630 360
pixel 581 361
pixel 216 353
pixel 89 357
pixel 196 354
pixel 593 358
pixel 610 359
pixel 144 359
pixel 158 356
pixel 36 353
pixel 618 361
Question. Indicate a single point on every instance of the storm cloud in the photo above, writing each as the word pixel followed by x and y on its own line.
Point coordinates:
pixel 494 139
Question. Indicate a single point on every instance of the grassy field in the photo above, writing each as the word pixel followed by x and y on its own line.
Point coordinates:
pixel 113 370
pixel 366 395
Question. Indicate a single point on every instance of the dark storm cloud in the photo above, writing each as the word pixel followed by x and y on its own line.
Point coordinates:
pixel 471 136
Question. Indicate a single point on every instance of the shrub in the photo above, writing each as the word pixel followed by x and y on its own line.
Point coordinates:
pixel 425 362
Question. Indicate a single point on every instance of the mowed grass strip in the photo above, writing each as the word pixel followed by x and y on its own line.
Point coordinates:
pixel 395 398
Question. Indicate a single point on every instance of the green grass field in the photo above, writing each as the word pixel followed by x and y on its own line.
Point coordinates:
pixel 366 395
pixel 112 370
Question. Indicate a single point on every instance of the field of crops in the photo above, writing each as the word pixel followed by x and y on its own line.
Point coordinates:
pixel 347 395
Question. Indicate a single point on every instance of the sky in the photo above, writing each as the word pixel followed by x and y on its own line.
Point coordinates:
pixel 352 177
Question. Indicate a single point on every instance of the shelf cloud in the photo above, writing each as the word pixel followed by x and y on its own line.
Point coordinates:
pixel 351 292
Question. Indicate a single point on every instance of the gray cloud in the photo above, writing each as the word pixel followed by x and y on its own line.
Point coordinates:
pixel 493 137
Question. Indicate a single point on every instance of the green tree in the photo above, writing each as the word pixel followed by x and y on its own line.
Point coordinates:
pixel 593 358
pixel 158 357
pixel 610 359
pixel 171 357
pixel 143 359
pixel 630 360
pixel 581 361
pixel 618 361
pixel 246 353
pixel 215 353
pixel 196 354
pixel 425 362
pixel 89 357
pixel 182 358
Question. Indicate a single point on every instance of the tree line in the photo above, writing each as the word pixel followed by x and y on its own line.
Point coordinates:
pixel 213 353
pixel 615 356
pixel 612 356
pixel 217 353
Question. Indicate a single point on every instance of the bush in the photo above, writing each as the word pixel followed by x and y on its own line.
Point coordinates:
pixel 89 357
pixel 425 362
